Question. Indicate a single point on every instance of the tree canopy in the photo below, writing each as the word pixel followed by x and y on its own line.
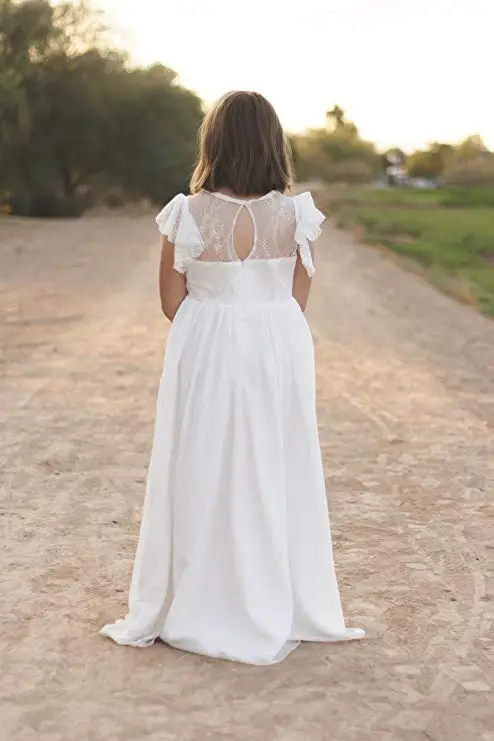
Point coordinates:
pixel 335 152
pixel 79 124
pixel 77 121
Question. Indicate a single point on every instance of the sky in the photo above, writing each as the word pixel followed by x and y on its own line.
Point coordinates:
pixel 408 72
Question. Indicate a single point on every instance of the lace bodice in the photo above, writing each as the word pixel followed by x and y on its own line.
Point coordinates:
pixel 203 227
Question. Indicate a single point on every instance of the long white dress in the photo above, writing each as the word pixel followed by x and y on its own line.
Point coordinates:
pixel 235 557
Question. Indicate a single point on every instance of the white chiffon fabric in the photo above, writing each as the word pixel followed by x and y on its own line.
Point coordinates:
pixel 235 557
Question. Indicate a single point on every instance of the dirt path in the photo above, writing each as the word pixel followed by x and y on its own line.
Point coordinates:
pixel 407 419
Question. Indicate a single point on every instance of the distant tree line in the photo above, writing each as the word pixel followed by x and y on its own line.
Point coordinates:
pixel 469 163
pixel 78 124
pixel 336 153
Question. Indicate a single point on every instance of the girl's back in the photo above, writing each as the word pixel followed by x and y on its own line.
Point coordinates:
pixel 257 240
pixel 234 558
pixel 256 229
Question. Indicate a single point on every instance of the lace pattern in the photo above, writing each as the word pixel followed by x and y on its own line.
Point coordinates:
pixel 205 227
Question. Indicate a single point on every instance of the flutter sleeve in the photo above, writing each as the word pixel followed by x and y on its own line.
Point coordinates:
pixel 177 224
pixel 308 228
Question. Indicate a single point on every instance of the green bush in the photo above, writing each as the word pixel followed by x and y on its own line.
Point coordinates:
pixel 76 117
pixel 49 206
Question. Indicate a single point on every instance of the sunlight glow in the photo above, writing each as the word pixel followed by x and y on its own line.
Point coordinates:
pixel 406 71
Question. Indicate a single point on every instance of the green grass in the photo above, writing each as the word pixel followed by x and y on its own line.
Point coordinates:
pixel 453 244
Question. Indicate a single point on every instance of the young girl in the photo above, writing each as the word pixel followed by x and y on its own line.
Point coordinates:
pixel 235 557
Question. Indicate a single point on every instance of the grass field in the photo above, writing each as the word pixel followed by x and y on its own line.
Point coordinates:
pixel 449 233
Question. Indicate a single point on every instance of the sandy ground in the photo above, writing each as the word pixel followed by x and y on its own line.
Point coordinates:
pixel 406 382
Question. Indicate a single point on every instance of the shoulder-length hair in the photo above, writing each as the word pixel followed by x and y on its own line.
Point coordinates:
pixel 243 148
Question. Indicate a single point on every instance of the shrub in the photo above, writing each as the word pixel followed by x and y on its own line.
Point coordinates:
pixel 476 173
pixel 48 205
pixel 354 172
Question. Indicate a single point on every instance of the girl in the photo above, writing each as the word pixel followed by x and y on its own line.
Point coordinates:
pixel 235 558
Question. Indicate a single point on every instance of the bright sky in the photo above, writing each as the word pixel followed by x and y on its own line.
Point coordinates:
pixel 406 71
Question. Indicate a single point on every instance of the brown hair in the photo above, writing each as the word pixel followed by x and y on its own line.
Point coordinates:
pixel 242 148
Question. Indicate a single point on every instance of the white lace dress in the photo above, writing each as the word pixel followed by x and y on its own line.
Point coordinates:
pixel 235 558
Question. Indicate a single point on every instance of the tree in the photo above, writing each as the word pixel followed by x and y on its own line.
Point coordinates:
pixel 431 162
pixel 154 125
pixel 336 118
pixel 320 151
pixel 76 120
pixel 337 123
pixel 472 148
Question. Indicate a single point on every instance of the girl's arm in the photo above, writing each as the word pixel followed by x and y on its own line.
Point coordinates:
pixel 301 284
pixel 173 286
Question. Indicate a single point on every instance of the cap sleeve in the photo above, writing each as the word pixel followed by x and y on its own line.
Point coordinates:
pixel 308 228
pixel 177 224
